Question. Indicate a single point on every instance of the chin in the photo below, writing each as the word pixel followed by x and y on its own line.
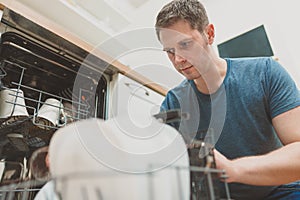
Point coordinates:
pixel 191 77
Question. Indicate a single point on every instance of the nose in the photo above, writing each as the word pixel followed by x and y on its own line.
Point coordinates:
pixel 179 59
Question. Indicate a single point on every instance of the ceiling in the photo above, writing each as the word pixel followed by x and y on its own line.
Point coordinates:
pixel 92 20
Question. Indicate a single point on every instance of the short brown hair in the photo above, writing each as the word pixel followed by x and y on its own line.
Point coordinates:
pixel 191 11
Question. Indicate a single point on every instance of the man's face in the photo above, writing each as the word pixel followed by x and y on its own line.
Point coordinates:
pixel 186 49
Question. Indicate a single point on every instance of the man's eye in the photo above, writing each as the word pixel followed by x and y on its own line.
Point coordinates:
pixel 185 44
pixel 170 51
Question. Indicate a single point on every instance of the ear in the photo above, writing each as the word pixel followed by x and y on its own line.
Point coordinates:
pixel 47 161
pixel 210 33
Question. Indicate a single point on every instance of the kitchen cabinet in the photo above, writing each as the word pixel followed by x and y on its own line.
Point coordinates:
pixel 136 101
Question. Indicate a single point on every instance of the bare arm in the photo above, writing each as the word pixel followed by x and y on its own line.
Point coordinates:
pixel 277 167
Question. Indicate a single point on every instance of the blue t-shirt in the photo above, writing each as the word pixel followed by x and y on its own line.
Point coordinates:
pixel 240 112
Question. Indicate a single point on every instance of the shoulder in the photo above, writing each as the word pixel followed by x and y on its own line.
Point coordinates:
pixel 253 62
pixel 175 95
pixel 181 86
pixel 179 89
pixel 256 68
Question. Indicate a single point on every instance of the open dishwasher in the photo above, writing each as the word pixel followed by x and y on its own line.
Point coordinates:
pixel 46 82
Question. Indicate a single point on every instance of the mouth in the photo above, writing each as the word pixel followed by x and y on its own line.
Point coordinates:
pixel 185 68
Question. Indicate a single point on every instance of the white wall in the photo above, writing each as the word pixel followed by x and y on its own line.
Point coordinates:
pixel 280 18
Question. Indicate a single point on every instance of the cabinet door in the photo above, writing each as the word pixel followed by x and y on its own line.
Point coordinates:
pixel 136 101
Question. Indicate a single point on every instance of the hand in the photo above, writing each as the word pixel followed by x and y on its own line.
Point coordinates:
pixel 278 167
pixel 225 164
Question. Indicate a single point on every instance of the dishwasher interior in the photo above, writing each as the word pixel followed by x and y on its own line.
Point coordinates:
pixel 42 73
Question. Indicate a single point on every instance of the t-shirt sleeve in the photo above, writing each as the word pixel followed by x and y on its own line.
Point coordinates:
pixel 283 94
pixel 170 103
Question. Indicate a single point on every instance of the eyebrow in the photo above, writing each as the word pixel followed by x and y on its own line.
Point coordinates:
pixel 187 39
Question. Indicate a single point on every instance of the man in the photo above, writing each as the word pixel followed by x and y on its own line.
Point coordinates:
pixel 251 103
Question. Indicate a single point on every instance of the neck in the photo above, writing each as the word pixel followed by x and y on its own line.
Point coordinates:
pixel 210 82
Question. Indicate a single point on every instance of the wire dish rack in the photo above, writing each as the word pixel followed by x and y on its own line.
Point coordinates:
pixel 31 121
pixel 21 191
pixel 79 109
pixel 172 183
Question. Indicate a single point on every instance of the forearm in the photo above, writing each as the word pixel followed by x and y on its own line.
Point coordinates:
pixel 275 168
